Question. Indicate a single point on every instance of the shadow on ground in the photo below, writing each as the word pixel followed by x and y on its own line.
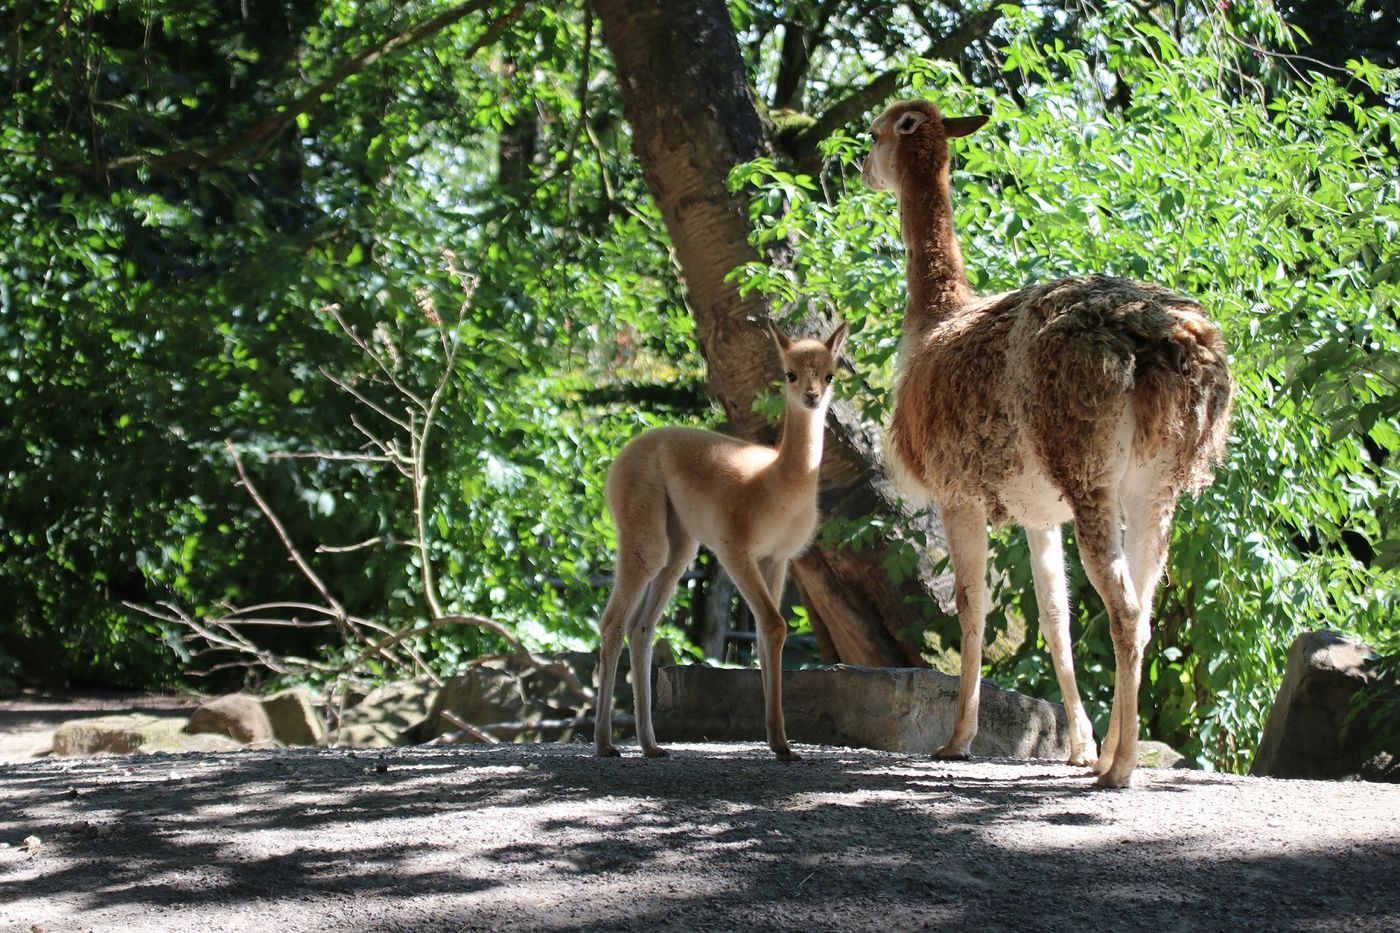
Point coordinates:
pixel 718 836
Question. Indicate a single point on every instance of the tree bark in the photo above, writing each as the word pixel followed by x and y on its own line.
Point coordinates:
pixel 687 98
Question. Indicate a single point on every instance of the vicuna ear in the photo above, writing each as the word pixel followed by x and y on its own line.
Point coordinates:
pixel 837 340
pixel 781 339
pixel 954 127
pixel 909 122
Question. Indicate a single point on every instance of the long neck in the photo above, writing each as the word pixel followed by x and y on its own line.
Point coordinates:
pixel 934 263
pixel 800 450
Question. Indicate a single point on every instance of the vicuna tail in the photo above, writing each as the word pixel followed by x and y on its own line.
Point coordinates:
pixel 1181 398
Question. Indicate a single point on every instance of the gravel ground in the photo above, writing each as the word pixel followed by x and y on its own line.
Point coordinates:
pixel 720 836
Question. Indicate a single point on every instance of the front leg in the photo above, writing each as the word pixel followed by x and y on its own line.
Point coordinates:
pixel 966 528
pixel 772 632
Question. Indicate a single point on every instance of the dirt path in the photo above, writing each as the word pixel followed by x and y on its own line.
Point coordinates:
pixel 546 837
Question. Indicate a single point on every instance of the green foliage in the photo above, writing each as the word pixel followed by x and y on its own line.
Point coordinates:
pixel 148 313
pixel 1280 212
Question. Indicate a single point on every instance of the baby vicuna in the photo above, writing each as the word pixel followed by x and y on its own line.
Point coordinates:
pixel 1095 399
pixel 671 489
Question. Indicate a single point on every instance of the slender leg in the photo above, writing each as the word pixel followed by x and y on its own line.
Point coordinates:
pixel 1098 525
pixel 774 573
pixel 772 631
pixel 966 527
pixel 641 633
pixel 775 577
pixel 633 583
pixel 1146 535
pixel 1048 569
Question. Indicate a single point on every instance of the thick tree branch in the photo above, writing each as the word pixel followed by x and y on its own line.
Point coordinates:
pixel 865 99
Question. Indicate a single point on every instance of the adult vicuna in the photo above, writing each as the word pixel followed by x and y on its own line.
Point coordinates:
pixel 755 507
pixel 1097 399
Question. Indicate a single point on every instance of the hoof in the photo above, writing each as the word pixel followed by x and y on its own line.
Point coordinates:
pixel 951 753
pixel 1109 781
pixel 657 752
pixel 787 754
pixel 609 752
pixel 1083 761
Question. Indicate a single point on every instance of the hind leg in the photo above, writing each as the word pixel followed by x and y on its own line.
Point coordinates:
pixel 1098 525
pixel 641 630
pixel 631 588
pixel 639 510
pixel 1052 596
pixel 1147 509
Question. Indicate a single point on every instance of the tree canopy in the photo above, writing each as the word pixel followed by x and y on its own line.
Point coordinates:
pixel 406 260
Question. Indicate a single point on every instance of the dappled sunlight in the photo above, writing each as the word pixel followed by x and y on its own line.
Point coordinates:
pixel 549 835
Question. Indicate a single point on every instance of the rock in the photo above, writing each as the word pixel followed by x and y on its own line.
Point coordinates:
pixel 505 690
pixel 1303 736
pixel 237 715
pixel 293 718
pixel 1152 754
pixel 389 715
pixel 132 734
pixel 892 709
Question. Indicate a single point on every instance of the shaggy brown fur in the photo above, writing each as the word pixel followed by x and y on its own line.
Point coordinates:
pixel 1096 399
pixel 1052 365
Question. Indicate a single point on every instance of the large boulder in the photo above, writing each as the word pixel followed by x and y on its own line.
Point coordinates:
pixel 390 714
pixel 293 717
pixel 1306 735
pixel 239 716
pixel 893 709
pixel 506 691
pixel 132 734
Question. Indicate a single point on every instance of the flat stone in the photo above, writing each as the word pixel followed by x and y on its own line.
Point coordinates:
pixel 891 709
pixel 132 734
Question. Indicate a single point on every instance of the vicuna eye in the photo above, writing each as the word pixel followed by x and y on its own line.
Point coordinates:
pixel 792 377
pixel 828 378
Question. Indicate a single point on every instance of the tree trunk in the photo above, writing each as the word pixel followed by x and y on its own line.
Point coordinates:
pixel 687 98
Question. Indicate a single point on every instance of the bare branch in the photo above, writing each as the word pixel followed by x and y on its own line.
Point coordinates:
pixel 331 455
pixel 861 101
pixel 276 623
pixel 467 729
pixel 359 397
pixel 354 335
pixel 347 548
pixel 263 607
pixel 281 530
pixel 419 442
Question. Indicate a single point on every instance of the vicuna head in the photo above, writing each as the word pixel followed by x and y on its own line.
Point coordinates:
pixel 809 365
pixel 910 142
